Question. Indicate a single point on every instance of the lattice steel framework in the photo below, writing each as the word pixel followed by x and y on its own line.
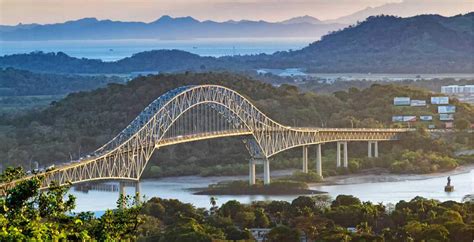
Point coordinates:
pixel 194 113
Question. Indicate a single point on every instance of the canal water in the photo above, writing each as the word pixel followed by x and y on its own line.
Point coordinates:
pixel 375 188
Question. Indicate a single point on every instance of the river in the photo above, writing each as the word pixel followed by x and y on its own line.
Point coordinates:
pixel 384 188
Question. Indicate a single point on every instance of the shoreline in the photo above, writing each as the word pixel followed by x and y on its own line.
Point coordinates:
pixel 366 176
pixel 378 175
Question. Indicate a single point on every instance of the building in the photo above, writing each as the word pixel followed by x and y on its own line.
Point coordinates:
pixel 463 93
pixel 456 89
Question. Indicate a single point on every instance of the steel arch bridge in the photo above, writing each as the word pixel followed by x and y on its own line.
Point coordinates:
pixel 193 113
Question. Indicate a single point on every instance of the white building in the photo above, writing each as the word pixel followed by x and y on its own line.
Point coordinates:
pixel 463 93
pixel 456 89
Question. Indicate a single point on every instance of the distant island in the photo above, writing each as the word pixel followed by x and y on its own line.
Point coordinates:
pixel 381 44
pixel 167 27
pixel 277 187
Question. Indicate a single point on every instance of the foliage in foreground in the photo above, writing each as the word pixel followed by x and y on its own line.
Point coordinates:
pixel 27 214
pixel 318 218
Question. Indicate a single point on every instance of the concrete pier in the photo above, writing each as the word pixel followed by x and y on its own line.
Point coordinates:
pixel 319 167
pixel 252 172
pixel 305 159
pixel 375 151
pixel 266 171
pixel 138 191
pixel 346 158
pixel 338 154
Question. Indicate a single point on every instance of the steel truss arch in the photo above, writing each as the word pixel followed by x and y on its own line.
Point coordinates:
pixel 126 155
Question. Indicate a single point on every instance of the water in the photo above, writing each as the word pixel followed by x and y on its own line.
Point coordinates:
pixel 111 50
pixel 375 188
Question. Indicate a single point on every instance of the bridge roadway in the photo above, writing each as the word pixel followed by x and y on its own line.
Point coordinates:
pixel 194 113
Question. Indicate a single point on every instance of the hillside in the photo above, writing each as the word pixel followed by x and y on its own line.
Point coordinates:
pixel 157 60
pixel 165 27
pixel 421 44
pixel 83 121
pixel 382 44
pixel 15 82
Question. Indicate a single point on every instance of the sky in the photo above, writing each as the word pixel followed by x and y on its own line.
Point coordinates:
pixel 13 12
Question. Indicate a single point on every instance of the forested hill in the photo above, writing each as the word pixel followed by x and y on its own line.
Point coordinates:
pixel 381 44
pixel 84 121
pixel 15 82
pixel 421 44
pixel 157 60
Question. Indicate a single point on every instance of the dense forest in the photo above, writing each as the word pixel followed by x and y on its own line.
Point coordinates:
pixel 381 44
pixel 15 82
pixel 83 121
pixel 28 214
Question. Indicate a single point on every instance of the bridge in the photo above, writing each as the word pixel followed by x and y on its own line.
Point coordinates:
pixel 193 113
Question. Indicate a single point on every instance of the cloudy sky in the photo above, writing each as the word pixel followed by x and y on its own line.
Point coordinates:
pixel 53 11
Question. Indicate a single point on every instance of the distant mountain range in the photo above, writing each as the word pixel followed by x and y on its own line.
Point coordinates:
pixel 167 27
pixel 381 44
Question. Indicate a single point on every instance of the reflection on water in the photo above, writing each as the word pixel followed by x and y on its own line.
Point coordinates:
pixel 179 188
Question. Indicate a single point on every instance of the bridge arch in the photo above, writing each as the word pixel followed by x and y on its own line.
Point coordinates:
pixel 126 155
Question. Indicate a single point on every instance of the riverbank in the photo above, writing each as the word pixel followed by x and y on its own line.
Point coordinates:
pixel 383 175
pixel 374 175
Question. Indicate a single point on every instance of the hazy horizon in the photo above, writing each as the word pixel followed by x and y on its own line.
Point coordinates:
pixel 14 12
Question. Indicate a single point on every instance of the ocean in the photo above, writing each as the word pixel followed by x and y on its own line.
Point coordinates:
pixel 112 50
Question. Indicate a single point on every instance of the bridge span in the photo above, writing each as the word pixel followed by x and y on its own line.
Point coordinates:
pixel 193 113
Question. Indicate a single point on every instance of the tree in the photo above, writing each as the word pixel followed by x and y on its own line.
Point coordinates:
pixel 345 200
pixel 26 214
pixel 283 233
pixel 261 219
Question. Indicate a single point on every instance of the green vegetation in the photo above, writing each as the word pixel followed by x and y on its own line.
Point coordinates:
pixel 22 90
pixel 277 187
pixel 83 121
pixel 15 82
pixel 26 214
pixel 317 218
pixel 388 44
pixel 322 87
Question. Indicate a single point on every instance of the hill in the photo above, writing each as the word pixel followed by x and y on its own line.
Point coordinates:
pixel 421 44
pixel 165 27
pixel 156 60
pixel 83 121
pixel 15 82
pixel 381 44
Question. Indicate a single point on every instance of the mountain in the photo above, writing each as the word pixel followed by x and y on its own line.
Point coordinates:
pixel 407 8
pixel 421 44
pixel 167 27
pixel 302 19
pixel 381 44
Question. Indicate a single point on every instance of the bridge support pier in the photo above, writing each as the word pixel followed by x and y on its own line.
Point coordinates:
pixel 305 159
pixel 138 191
pixel 375 153
pixel 251 172
pixel 338 154
pixel 266 171
pixel 319 168
pixel 122 194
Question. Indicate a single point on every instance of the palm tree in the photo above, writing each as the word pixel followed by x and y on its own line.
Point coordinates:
pixel 213 201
